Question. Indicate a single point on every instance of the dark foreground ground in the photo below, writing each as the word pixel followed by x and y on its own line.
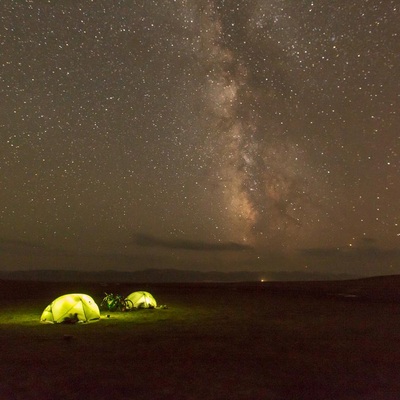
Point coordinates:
pixel 310 340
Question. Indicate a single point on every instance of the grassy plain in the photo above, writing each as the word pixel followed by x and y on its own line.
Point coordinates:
pixel 214 341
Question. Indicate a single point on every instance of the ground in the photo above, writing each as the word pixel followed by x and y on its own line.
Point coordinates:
pixel 330 340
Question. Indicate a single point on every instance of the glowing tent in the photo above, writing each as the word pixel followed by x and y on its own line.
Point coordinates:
pixel 142 300
pixel 71 308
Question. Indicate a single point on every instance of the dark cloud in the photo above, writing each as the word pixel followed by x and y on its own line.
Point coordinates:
pixel 361 246
pixel 144 240
pixel 364 256
pixel 12 246
pixel 349 252
pixel 319 252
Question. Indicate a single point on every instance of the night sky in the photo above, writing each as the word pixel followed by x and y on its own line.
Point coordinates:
pixel 199 134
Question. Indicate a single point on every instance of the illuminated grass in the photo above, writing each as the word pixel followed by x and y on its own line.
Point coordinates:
pixel 213 343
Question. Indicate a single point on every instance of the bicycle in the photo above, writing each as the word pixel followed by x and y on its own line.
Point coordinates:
pixel 116 303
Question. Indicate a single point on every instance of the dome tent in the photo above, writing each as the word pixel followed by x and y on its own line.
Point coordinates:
pixel 74 307
pixel 142 300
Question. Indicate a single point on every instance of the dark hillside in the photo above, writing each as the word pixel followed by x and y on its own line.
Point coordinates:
pixel 383 288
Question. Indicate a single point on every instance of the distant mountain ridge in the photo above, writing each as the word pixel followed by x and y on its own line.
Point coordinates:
pixel 166 276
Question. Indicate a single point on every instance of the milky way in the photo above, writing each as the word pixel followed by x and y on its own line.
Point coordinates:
pixel 230 134
pixel 262 192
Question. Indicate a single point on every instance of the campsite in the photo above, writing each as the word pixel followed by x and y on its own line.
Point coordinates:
pixel 273 340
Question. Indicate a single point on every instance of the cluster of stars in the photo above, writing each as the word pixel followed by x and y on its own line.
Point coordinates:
pixel 274 124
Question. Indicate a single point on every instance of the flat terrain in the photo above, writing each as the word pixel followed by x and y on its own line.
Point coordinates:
pixel 307 340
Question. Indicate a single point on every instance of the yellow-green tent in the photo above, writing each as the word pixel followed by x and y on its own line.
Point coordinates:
pixel 76 307
pixel 142 300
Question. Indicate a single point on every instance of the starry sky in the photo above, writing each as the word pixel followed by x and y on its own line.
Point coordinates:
pixel 200 134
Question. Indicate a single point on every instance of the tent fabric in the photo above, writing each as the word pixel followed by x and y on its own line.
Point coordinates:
pixel 142 299
pixel 77 306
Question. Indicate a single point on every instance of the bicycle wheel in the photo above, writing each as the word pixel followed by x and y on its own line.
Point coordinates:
pixel 128 305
